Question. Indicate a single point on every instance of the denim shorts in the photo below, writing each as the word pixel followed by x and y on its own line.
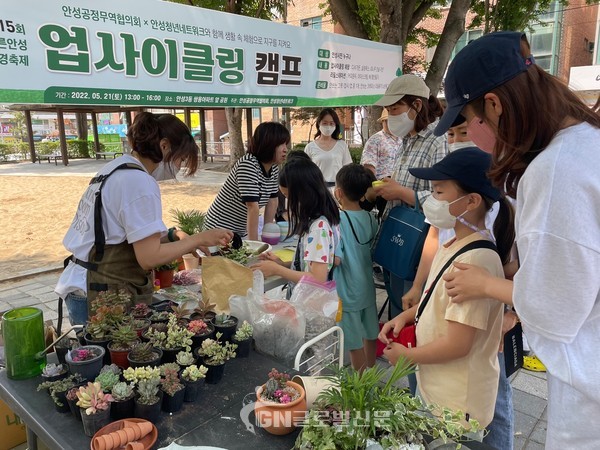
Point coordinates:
pixel 77 307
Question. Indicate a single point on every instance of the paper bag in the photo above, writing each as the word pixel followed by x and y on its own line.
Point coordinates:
pixel 222 278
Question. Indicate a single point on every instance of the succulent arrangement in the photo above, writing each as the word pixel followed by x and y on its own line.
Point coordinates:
pixel 123 337
pixel 204 309
pixel 198 327
pixel 224 320
pixel 159 316
pixel 142 352
pixel 168 366
pixel 181 311
pixel 140 310
pixel 140 374
pixel 107 380
pixel 171 384
pixel 185 358
pixel 216 353
pixel 194 373
pixel 277 390
pixel 148 391
pixel 83 354
pixel 175 337
pixel 108 313
pixel 244 332
pixel 122 391
pixel 93 399
pixel 62 385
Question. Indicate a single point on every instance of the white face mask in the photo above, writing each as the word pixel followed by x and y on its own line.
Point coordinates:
pixel 326 130
pixel 401 124
pixel 457 145
pixel 438 214
pixel 165 171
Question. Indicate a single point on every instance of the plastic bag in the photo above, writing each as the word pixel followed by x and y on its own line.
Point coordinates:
pixel 279 328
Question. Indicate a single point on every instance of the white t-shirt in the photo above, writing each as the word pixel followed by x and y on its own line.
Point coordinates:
pixel 131 211
pixel 329 161
pixel 557 288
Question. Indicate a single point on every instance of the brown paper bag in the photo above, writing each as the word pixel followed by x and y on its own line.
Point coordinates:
pixel 222 278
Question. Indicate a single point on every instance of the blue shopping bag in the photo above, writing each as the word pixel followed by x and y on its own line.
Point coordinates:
pixel 401 239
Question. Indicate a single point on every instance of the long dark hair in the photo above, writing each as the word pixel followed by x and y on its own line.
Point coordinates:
pixel 338 128
pixel 148 129
pixel 265 140
pixel 308 195
pixel 504 225
pixel 534 108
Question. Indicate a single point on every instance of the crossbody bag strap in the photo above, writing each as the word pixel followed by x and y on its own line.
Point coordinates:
pixel 99 236
pixel 466 248
pixel 354 231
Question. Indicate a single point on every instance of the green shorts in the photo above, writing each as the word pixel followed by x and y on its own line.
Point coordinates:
pixel 359 325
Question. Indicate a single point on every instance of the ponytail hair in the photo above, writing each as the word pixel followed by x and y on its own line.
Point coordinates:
pixel 504 230
pixel 431 110
pixel 147 131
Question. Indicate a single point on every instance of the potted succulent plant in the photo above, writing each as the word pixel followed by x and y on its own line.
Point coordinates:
pixel 226 325
pixel 53 372
pixel 141 311
pixel 143 354
pixel 281 403
pixel 148 400
pixel 182 313
pixel 86 360
pixel 122 341
pixel 185 359
pixel 107 380
pixel 171 342
pixel 140 325
pixel 58 390
pixel 347 414
pixel 95 405
pixel 123 405
pixel 72 400
pixel 202 330
pixel 164 274
pixel 214 355
pixel 159 317
pixel 193 379
pixel 204 311
pixel 174 390
pixel 243 339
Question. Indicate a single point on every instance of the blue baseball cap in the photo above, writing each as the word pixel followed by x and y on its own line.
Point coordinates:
pixel 468 166
pixel 482 65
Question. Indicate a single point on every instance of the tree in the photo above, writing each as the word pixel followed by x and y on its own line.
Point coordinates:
pixel 82 126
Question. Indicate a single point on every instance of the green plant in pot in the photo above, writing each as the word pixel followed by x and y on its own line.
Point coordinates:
pixel 214 354
pixel 148 400
pixel 174 390
pixel 204 311
pixel 189 221
pixel 367 406
pixel 193 378
pixel 108 313
pixel 202 330
pixel 172 341
pixel 53 372
pixel 226 325
pixel 144 354
pixel 107 380
pixel 72 400
pixel 140 325
pixel 122 341
pixel 141 311
pixel 185 359
pixel 95 405
pixel 243 339
pixel 58 390
pixel 164 273
pixel 123 404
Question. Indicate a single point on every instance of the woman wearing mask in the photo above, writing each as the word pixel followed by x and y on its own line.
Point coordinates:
pixel 117 235
pixel 328 151
pixel 412 116
pixel 544 144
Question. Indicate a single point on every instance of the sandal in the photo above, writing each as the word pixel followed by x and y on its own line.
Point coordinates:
pixel 533 363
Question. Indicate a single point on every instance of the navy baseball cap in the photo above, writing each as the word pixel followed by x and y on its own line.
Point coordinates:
pixel 482 65
pixel 468 166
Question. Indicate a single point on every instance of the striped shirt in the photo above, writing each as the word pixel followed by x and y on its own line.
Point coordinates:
pixel 247 182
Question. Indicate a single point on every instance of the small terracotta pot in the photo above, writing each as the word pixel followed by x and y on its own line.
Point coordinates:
pixel 280 418
pixel 99 443
pixel 135 446
pixel 131 434
pixel 122 437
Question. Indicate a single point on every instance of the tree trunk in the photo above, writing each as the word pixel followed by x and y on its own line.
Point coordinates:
pixel 82 126
pixel 346 13
pixel 234 125
pixel 453 30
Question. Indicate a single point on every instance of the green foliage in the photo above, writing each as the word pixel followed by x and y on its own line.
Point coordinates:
pixel 244 332
pixel 79 149
pixel 190 221
pixel 169 266
pixel 194 373
pixel 176 336
pixel 148 390
pixel 215 353
pixel 54 387
pixel 107 380
pixel 185 358
pixel 142 352
pixel 356 154
pixel 123 337
pixel 47 148
pixel 170 384
pixel 373 409
pixel 122 391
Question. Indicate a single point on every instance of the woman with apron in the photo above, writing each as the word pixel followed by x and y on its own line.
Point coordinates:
pixel 117 235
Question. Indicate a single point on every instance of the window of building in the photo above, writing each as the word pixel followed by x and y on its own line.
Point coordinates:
pixel 256 113
pixel 468 36
pixel 313 22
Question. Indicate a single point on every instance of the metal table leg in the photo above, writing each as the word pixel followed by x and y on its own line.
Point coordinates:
pixel 32 440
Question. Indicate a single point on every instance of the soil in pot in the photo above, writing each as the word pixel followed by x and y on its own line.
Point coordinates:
pixel 228 329
pixel 215 373
pixel 243 349
pixel 93 422
pixel 122 410
pixel 193 390
pixel 174 403
pixel 152 363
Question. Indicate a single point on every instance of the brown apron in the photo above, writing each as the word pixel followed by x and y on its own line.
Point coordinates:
pixel 113 267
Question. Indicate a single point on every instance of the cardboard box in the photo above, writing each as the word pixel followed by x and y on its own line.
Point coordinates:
pixel 12 429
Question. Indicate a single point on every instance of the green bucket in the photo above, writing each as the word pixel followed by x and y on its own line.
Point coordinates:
pixel 23 333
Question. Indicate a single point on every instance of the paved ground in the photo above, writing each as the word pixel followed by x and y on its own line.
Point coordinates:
pixel 529 388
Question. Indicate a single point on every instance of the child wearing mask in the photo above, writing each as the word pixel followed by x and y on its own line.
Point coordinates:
pixel 457 347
